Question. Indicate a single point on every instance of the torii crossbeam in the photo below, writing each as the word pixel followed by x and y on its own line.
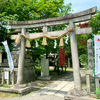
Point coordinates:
pixel 65 20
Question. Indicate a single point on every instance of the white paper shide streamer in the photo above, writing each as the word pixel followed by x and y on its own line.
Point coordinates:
pixel 36 43
pixel 55 43
pixel 66 39
pixel 10 61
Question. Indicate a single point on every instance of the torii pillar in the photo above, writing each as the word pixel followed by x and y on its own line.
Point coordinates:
pixel 21 58
pixel 75 59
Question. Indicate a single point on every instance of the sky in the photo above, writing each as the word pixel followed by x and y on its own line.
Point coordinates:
pixel 81 5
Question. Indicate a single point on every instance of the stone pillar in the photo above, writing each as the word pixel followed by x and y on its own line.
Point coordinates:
pixel 90 54
pixel 75 59
pixel 2 77
pixel 45 69
pixel 21 59
pixel 8 80
pixel 1 56
pixel 88 83
pixel 97 82
pixel 45 30
pixel 13 78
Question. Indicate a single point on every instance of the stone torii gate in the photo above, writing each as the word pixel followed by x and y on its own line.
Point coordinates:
pixel 65 20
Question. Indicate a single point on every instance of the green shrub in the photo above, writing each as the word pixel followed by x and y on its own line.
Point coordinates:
pixel 86 68
pixel 83 59
pixel 98 93
pixel 5 86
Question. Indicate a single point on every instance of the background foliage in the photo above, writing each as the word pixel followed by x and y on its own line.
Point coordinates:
pixel 24 10
pixel 95 23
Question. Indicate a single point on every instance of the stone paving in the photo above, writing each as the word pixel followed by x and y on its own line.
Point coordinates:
pixel 55 90
pixel 58 88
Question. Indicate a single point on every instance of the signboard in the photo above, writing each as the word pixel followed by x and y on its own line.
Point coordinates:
pixel 97 54
pixel 6 75
pixel 61 57
pixel 10 61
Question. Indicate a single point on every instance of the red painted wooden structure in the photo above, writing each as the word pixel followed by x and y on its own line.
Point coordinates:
pixel 61 57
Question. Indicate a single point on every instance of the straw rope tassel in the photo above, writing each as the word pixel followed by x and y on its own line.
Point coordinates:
pixel 61 42
pixel 44 42
pixel 28 43
pixel 17 41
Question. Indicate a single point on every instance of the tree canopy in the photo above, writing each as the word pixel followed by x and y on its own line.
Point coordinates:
pixel 34 9
pixel 95 23
pixel 24 10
